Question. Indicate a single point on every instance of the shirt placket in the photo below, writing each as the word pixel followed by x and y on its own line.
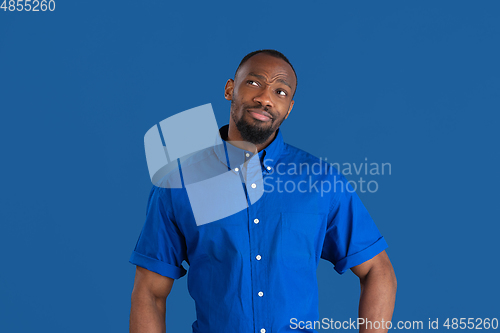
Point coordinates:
pixel 258 260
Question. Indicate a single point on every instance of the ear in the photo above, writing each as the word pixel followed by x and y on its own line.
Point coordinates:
pixel 228 90
pixel 290 109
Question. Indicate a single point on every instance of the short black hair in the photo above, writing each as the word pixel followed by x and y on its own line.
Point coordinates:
pixel 272 53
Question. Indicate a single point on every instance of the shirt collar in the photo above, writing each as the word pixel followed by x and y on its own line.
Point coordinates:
pixel 236 156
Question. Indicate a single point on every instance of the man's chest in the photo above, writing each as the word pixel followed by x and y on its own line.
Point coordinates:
pixel 283 228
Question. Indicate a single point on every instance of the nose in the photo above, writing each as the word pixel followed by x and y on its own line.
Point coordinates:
pixel 264 97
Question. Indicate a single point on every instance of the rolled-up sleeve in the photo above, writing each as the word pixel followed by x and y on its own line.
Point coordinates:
pixel 351 237
pixel 161 247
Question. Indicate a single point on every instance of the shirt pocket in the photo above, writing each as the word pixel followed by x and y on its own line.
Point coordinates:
pixel 299 239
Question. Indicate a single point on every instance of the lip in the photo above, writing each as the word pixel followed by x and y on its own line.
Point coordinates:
pixel 260 114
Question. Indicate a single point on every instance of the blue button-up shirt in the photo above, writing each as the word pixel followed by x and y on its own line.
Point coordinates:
pixel 255 270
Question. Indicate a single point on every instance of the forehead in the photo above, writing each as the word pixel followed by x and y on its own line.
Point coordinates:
pixel 269 66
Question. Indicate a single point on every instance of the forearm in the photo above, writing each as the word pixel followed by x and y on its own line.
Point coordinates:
pixel 376 304
pixel 147 314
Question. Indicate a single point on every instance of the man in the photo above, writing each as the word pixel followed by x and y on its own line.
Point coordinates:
pixel 255 270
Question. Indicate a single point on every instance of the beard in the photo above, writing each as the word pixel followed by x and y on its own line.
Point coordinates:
pixel 254 133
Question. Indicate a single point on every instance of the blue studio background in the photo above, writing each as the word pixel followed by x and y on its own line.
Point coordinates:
pixel 413 84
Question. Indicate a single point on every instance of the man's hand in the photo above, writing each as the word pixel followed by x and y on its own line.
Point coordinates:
pixel 378 291
pixel 149 296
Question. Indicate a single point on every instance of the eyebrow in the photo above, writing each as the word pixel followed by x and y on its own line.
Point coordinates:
pixel 263 78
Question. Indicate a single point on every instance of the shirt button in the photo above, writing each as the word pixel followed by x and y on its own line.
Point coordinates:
pixel 268 168
pixel 262 330
pixel 258 257
pixel 254 185
pixel 247 155
pixel 261 293
pixel 256 221
pixel 236 169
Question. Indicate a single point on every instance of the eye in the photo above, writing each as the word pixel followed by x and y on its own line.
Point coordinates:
pixel 253 83
pixel 282 92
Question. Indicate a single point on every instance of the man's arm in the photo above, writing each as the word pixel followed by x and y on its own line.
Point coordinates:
pixel 378 291
pixel 149 296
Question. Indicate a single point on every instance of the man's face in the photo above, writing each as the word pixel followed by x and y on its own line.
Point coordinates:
pixel 261 96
